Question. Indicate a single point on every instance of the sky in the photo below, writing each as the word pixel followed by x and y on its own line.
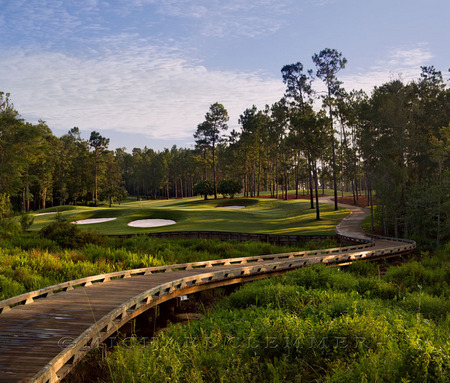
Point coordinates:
pixel 144 72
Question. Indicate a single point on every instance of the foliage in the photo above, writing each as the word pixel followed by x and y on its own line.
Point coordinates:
pixel 229 187
pixel 313 324
pixel 69 235
pixel 29 261
pixel 26 221
pixel 204 188
pixel 5 206
pixel 8 224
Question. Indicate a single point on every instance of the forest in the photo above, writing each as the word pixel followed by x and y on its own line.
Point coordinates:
pixel 392 147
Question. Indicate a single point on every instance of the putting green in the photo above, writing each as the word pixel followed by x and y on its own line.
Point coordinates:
pixel 261 215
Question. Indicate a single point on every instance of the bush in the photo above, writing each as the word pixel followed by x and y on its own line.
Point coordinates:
pixel 67 234
pixel 363 268
pixel 26 221
pixel 229 187
pixel 432 274
pixel 204 188
pixel 9 227
pixel 10 288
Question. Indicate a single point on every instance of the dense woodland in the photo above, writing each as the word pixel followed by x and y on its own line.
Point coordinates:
pixel 393 146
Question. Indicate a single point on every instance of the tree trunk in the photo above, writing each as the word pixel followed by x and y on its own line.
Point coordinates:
pixel 316 182
pixel 333 164
pixel 95 182
pixel 259 175
pixel 371 206
pixel 214 170
pixel 353 192
pixel 296 179
pixel 310 183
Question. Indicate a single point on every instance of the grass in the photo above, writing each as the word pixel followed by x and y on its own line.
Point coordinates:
pixel 261 215
pixel 315 324
pixel 30 262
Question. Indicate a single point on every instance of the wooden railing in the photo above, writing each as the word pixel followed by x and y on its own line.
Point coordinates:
pixel 29 297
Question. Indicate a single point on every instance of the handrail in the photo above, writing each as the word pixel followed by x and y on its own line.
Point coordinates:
pixel 391 238
pixel 29 297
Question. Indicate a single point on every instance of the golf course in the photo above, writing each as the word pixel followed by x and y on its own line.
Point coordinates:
pixel 246 215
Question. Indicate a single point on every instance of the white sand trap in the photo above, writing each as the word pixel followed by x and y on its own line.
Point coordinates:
pixel 50 212
pixel 230 207
pixel 151 222
pixel 93 220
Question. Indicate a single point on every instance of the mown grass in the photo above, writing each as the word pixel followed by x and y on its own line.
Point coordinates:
pixel 261 215
pixel 315 324
pixel 30 262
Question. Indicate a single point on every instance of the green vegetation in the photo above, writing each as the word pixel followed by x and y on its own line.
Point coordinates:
pixel 30 262
pixel 193 214
pixel 313 324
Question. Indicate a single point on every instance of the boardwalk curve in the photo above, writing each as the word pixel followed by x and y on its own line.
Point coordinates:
pixel 44 333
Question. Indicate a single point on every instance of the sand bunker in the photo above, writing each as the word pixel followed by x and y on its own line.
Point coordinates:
pixel 230 207
pixel 151 222
pixel 93 220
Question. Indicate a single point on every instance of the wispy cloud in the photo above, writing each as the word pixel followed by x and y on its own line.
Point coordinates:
pixel 401 63
pixel 232 18
pixel 150 91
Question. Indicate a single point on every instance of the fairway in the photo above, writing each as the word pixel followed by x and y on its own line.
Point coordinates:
pixel 260 215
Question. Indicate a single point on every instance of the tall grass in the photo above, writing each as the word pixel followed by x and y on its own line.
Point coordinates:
pixel 30 262
pixel 313 324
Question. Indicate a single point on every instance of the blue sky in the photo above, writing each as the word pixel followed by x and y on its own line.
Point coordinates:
pixel 144 72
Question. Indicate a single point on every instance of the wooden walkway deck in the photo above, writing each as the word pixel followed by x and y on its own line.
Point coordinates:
pixel 43 334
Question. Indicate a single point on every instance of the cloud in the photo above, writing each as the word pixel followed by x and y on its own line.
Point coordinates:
pixel 232 18
pixel 146 90
pixel 401 63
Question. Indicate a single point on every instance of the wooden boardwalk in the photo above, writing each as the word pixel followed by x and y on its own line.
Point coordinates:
pixel 43 334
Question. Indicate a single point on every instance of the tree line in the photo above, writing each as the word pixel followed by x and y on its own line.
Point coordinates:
pixel 392 146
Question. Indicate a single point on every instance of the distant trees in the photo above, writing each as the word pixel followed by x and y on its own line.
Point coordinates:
pixel 38 169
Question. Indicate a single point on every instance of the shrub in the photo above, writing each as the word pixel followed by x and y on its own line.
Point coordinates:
pixel 363 268
pixel 204 188
pixel 229 187
pixel 10 288
pixel 26 221
pixel 9 227
pixel 66 234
